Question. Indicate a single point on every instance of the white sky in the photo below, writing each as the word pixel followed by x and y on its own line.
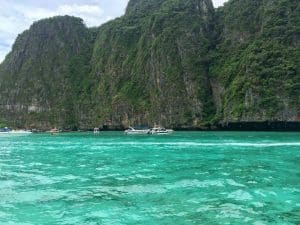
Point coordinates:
pixel 17 15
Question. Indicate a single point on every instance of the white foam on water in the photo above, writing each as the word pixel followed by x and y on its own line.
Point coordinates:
pixel 69 177
pixel 3 214
pixel 259 223
pixel 273 193
pixel 238 144
pixel 17 223
pixel 34 196
pixel 252 182
pixel 136 189
pixel 233 183
pixel 291 189
pixel 9 184
pixel 33 178
pixel 102 214
pixel 240 195
pixel 260 193
pixel 205 208
pixel 144 176
pixel 225 174
pixel 258 204
pixel 195 184
pixel 159 188
pixel 229 211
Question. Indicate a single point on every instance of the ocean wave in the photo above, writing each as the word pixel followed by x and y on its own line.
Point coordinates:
pixel 219 144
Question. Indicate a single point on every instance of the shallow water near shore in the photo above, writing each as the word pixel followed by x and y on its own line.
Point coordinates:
pixel 183 178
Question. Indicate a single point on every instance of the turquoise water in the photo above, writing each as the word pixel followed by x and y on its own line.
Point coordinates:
pixel 183 178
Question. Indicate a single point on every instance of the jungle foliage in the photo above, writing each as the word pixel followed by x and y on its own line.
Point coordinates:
pixel 179 63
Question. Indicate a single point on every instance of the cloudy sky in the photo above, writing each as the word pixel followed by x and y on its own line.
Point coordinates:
pixel 17 15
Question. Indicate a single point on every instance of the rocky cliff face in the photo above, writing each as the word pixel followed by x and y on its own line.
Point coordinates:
pixel 256 61
pixel 41 77
pixel 154 68
pixel 171 62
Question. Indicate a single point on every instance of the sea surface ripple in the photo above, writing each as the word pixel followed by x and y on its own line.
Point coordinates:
pixel 183 178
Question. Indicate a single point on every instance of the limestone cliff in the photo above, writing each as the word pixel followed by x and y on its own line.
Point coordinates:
pixel 179 63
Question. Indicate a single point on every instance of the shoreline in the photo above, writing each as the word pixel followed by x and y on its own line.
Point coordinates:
pixel 231 126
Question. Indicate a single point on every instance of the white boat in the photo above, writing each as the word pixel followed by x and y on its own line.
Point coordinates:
pixel 160 130
pixel 54 131
pixel 132 130
pixel 8 132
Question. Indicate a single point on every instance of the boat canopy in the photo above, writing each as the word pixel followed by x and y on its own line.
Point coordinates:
pixel 5 129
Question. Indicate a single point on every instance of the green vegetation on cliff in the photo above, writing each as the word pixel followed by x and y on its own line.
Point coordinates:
pixel 173 62
pixel 151 67
pixel 257 60
pixel 41 78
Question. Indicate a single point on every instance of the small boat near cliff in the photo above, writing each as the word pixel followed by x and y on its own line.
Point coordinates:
pixel 54 131
pixel 132 130
pixel 160 130
pixel 154 130
pixel 4 132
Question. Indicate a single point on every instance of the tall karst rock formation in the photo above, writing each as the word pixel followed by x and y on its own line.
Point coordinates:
pixel 42 76
pixel 179 63
pixel 151 65
pixel 256 64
